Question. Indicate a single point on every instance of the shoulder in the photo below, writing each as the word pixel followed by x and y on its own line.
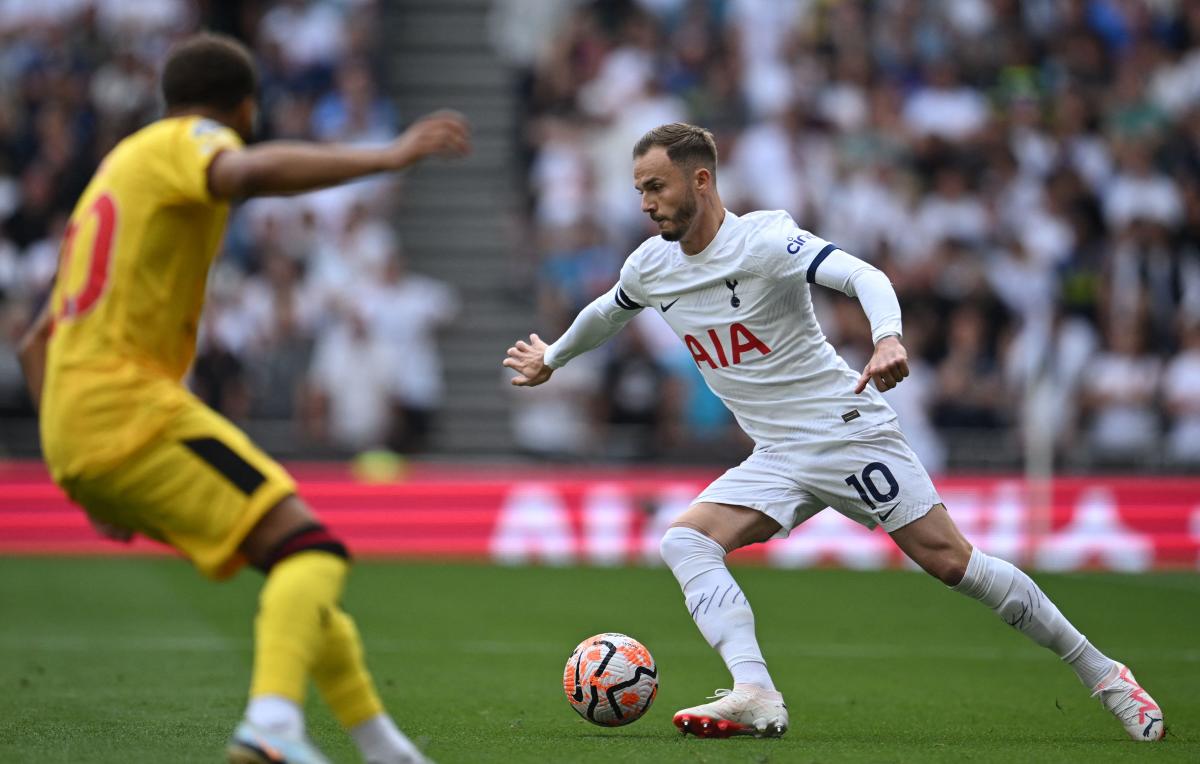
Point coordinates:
pixel 773 232
pixel 195 134
pixel 208 132
pixel 773 238
pixel 649 255
pixel 648 252
pixel 763 219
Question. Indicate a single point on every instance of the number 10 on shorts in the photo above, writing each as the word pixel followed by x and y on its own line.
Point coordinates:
pixel 868 484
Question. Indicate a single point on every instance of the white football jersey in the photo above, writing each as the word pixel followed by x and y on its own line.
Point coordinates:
pixel 742 307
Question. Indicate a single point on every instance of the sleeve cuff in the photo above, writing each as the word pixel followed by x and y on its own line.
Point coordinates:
pixel 884 333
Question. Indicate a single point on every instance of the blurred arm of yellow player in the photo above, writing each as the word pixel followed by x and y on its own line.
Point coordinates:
pixel 289 167
pixel 32 353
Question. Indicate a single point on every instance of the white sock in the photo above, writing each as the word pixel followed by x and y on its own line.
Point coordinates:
pixel 1024 606
pixel 276 714
pixel 716 603
pixel 380 741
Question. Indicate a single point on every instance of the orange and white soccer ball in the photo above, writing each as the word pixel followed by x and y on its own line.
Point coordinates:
pixel 610 679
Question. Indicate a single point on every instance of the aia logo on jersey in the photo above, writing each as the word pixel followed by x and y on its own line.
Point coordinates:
pixel 741 341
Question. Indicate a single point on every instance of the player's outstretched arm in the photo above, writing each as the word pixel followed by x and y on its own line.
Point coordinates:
pixel 528 360
pixel 31 352
pixel 286 167
pixel 535 361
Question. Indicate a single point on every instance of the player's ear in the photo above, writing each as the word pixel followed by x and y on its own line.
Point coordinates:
pixel 702 178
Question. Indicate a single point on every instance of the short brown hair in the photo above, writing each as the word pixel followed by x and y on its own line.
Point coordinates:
pixel 685 144
pixel 208 70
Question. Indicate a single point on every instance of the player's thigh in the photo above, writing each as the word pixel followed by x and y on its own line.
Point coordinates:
pixel 874 479
pixel 200 486
pixel 730 525
pixel 752 502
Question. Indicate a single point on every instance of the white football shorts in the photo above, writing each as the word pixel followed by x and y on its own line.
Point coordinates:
pixel 872 477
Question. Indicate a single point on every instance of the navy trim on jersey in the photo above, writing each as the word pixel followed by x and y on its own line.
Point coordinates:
pixel 811 276
pixel 624 301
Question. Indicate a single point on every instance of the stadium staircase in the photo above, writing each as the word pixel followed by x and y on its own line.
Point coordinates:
pixel 455 217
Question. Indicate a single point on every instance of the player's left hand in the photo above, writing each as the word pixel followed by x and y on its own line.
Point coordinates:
pixel 888 366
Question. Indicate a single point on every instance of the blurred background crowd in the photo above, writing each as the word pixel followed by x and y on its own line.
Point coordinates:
pixel 1026 173
pixel 313 319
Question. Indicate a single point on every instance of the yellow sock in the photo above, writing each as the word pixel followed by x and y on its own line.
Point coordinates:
pixel 340 673
pixel 295 608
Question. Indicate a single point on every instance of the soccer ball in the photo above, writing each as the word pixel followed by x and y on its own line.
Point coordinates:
pixel 610 679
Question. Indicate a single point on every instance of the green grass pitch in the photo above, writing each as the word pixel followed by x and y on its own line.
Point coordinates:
pixel 112 660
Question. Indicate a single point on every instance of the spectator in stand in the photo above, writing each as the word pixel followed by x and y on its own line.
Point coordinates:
pixel 969 391
pixel 354 112
pixel 638 404
pixel 945 107
pixel 1119 395
pixel 558 426
pixel 1181 400
pixel 280 317
pixel 405 311
pixel 350 402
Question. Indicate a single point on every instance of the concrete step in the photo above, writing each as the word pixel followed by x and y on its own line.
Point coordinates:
pixel 420 101
pixel 445 30
pixel 394 10
pixel 423 71
pixel 455 216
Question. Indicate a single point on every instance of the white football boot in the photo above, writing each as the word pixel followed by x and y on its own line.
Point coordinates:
pixel 1134 708
pixel 747 709
pixel 251 744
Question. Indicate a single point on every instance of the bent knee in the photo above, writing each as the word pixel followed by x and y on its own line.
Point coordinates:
pixel 951 572
pixel 948 564
pixel 314 537
pixel 683 541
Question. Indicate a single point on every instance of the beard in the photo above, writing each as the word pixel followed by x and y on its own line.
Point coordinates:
pixel 681 220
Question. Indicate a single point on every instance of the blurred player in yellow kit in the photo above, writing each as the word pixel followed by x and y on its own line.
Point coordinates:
pixel 126 440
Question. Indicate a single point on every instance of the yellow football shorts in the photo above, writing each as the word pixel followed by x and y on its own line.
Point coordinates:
pixel 200 486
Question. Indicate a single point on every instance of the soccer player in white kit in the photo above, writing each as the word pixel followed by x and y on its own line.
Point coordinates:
pixel 736 291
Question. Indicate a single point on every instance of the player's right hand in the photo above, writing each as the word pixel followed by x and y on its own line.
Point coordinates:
pixel 528 359
pixel 442 133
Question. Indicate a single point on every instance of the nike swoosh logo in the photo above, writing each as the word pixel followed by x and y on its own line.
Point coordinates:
pixel 667 305
pixel 883 516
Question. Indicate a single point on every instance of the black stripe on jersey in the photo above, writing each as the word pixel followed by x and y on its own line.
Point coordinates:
pixel 624 301
pixel 811 276
pixel 225 460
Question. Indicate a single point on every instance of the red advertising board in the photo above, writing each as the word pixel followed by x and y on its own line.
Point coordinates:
pixel 608 517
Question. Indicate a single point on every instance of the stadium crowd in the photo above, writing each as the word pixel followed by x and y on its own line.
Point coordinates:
pixel 1026 173
pixel 305 288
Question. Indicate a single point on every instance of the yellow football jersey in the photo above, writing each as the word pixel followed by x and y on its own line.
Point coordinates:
pixel 130 287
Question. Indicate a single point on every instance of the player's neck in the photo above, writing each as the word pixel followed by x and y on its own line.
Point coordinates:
pixel 708 222
pixel 199 111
